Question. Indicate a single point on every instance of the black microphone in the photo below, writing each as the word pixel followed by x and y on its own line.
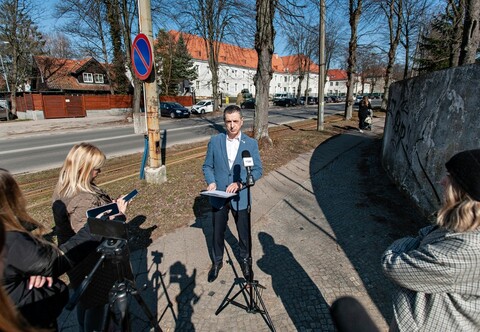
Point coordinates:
pixel 248 163
pixel 350 316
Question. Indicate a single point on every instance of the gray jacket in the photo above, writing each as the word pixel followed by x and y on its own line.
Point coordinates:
pixel 438 274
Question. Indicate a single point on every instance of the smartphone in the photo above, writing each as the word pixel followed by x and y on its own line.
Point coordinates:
pixel 130 195
pixel 111 208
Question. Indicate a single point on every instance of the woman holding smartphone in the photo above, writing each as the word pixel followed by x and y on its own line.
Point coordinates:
pixel 75 193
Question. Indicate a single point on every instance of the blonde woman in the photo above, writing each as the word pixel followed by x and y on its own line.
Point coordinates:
pixel 31 265
pixel 75 193
pixel 438 272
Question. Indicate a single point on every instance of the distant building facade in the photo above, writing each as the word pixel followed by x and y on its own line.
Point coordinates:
pixel 238 66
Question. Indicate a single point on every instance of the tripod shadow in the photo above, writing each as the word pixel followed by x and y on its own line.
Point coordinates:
pixel 186 298
pixel 299 294
pixel 140 239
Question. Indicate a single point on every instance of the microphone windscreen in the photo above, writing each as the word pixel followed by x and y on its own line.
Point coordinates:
pixel 350 316
pixel 245 154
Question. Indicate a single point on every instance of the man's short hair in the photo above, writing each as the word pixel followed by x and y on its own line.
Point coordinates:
pixel 230 109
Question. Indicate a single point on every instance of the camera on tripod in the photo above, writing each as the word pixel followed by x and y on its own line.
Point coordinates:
pixel 114 249
pixel 115 233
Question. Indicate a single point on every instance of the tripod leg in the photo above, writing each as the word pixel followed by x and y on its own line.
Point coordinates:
pixel 147 311
pixel 226 301
pixel 263 310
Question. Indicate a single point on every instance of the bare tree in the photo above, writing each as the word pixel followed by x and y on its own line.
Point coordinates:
pixel 354 10
pixel 21 40
pixel 129 13
pixel 303 43
pixel 471 33
pixel 216 21
pixel 264 38
pixel 114 19
pixel 393 12
pixel 413 19
pixel 455 10
pixel 58 45
pixel 86 21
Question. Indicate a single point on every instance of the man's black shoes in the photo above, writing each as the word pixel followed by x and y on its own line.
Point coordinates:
pixel 213 273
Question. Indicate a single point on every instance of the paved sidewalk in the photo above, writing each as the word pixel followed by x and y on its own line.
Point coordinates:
pixel 320 225
pixel 17 128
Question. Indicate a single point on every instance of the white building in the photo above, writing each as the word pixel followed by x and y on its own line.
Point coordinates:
pixel 238 66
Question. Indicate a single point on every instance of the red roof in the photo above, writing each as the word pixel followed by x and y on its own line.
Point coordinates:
pixel 60 74
pixel 239 56
pixel 337 75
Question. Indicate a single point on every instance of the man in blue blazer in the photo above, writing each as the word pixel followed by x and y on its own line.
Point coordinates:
pixel 223 170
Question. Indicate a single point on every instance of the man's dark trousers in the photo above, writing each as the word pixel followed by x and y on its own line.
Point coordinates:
pixel 220 219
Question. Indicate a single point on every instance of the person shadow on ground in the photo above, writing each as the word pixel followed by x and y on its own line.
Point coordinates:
pixel 300 296
pixel 187 298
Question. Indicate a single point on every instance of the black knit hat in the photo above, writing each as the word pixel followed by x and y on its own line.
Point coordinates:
pixel 464 167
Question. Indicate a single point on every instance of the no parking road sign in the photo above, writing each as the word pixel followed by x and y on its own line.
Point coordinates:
pixel 142 57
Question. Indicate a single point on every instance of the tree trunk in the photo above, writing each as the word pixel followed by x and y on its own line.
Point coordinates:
pixel 471 33
pixel 457 22
pixel 407 55
pixel 352 55
pixel 264 38
pixel 394 40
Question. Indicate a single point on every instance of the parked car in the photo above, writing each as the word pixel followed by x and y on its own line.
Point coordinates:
pixel 249 103
pixel 285 102
pixel 358 99
pixel 173 110
pixel 202 107
pixel 279 96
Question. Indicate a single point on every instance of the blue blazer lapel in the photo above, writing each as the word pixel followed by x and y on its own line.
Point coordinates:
pixel 223 148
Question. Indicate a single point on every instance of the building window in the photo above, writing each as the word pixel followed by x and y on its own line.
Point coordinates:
pixel 227 86
pixel 331 83
pixel 87 78
pixel 336 83
pixel 236 87
pixel 197 85
pixel 99 78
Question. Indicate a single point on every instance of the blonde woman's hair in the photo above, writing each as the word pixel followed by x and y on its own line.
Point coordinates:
pixel 13 207
pixel 76 173
pixel 459 213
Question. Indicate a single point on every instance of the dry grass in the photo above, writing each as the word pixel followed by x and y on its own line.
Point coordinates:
pixel 175 203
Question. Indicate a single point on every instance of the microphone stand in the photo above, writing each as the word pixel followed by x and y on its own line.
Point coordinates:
pixel 248 288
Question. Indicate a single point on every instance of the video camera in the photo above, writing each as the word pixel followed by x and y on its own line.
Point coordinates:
pixel 115 233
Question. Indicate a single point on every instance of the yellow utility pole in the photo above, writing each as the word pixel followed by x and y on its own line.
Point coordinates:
pixel 154 172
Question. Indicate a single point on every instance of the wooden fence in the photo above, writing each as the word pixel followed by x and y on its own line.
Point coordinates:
pixel 72 106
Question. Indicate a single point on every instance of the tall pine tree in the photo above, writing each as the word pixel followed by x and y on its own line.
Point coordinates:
pixel 175 64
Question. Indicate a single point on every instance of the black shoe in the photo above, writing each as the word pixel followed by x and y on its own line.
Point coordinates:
pixel 245 269
pixel 213 273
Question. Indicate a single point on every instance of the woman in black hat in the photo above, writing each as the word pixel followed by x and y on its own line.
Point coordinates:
pixel 438 272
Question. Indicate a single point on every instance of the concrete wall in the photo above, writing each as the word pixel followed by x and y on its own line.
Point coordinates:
pixel 429 119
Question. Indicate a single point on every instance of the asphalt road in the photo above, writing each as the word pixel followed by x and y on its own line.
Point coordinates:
pixel 26 154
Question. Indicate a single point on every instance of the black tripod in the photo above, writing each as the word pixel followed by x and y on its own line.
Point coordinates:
pixel 114 250
pixel 248 288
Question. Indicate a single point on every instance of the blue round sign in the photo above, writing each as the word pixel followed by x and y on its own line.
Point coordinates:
pixel 142 57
